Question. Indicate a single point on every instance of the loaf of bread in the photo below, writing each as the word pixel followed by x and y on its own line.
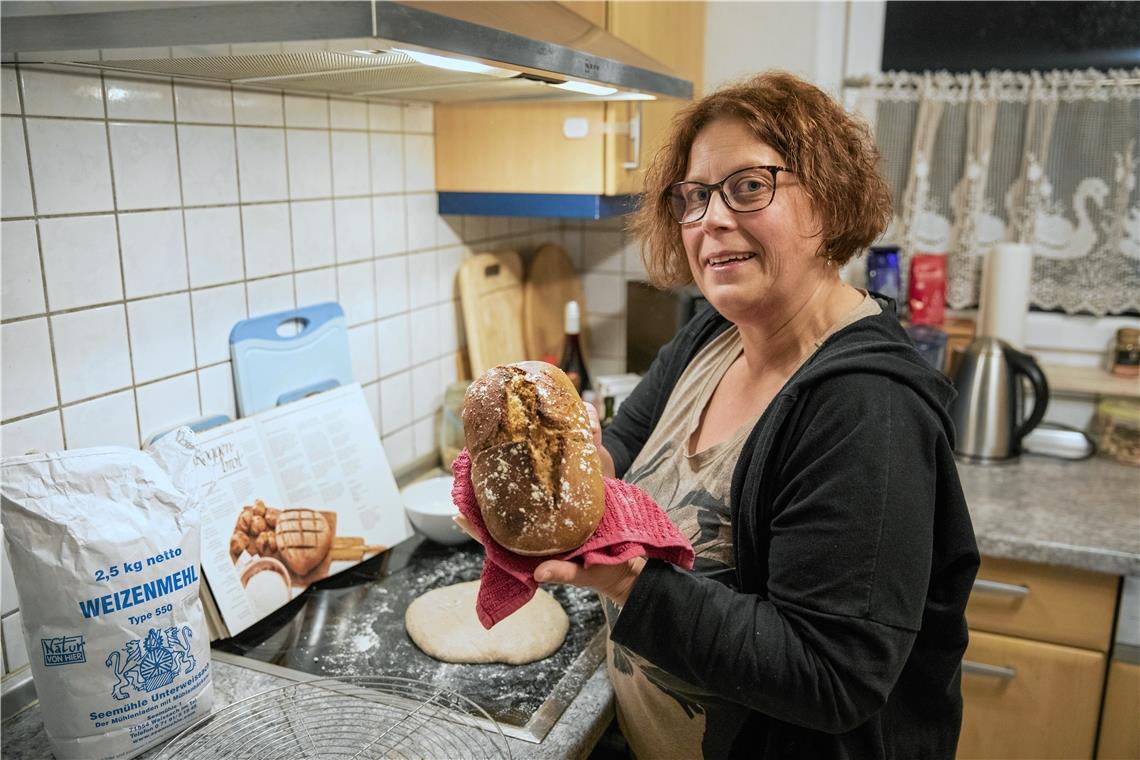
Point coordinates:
pixel 534 466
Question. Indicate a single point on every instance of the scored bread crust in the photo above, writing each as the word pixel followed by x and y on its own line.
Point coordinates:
pixel 535 469
pixel 303 539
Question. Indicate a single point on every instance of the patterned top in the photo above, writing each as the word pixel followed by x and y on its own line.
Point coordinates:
pixel 662 716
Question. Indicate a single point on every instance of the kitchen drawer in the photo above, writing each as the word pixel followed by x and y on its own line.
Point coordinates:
pixel 1061 605
pixel 1028 699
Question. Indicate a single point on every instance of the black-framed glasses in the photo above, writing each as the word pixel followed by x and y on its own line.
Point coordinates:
pixel 745 190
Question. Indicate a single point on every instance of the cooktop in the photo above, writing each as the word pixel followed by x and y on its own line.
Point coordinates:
pixel 353 625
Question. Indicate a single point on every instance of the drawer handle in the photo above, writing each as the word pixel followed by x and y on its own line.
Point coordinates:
pixel 634 138
pixel 993 671
pixel 996 587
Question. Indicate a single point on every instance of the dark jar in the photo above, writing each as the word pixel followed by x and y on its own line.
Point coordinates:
pixel 1124 356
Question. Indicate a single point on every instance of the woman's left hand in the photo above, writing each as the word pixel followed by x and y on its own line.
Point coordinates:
pixel 611 581
pixel 596 434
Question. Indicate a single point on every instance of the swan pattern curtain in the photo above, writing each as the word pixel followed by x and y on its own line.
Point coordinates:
pixel 1049 159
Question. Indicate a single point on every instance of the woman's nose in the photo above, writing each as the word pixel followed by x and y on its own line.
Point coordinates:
pixel 718 215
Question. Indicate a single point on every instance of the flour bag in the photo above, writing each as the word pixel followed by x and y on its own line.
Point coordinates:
pixel 104 549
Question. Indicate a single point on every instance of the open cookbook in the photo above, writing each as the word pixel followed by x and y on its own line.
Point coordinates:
pixel 303 492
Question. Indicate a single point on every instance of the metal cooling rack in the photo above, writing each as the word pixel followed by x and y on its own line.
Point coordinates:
pixel 353 717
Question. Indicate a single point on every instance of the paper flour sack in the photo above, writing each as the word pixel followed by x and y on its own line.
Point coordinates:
pixel 104 548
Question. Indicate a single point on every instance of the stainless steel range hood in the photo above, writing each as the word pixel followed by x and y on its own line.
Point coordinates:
pixel 359 48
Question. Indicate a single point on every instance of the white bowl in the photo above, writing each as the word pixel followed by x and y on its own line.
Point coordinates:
pixel 429 507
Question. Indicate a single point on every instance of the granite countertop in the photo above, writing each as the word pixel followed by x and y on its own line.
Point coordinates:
pixel 575 733
pixel 1082 514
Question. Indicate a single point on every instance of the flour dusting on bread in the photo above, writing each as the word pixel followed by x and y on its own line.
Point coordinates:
pixel 536 472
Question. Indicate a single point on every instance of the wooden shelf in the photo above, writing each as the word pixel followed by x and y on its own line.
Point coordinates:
pixel 1091 381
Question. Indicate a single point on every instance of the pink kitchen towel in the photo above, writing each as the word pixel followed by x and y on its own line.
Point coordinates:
pixel 631 526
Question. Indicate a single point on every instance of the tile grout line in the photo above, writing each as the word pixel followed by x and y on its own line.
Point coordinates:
pixel 122 263
pixel 182 373
pixel 234 122
pixel 372 213
pixel 198 206
pixel 332 191
pixel 404 370
pixel 371 248
pixel 241 223
pixel 405 254
pixel 407 239
pixel 166 293
pixel 289 191
pixel 43 267
pixel 185 246
pixel 107 393
pixel 372 251
pixel 371 240
pixel 335 236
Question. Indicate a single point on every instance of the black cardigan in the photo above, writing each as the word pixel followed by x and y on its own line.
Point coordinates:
pixel 855 555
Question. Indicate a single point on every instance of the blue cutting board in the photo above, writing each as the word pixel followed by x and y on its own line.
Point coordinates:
pixel 285 356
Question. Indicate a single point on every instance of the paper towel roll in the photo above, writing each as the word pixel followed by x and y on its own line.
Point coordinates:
pixel 1004 300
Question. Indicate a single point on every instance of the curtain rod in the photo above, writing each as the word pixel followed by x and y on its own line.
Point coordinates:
pixel 867 81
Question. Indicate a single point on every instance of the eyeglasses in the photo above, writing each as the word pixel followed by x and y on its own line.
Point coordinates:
pixel 743 191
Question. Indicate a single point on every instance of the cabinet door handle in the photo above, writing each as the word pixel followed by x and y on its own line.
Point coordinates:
pixel 634 154
pixel 996 587
pixel 993 671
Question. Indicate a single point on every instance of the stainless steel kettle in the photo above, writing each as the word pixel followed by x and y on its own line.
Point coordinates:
pixel 988 411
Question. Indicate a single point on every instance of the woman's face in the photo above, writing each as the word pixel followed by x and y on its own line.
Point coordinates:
pixel 778 244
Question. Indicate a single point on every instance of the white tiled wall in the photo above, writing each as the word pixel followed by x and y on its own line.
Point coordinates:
pixel 607 258
pixel 142 218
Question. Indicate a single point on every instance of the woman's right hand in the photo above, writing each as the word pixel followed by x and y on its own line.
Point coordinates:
pixel 611 581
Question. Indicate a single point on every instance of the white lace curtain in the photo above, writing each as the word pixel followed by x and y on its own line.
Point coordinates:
pixel 1050 159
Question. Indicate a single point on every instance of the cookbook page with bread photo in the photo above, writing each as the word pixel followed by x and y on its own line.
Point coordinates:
pixel 530 486
pixel 304 492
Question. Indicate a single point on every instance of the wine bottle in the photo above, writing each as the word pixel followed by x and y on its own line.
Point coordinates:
pixel 573 363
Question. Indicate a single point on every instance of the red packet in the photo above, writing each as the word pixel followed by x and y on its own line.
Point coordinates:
pixel 926 290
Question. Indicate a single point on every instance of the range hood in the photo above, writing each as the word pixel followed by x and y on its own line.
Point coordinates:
pixel 356 48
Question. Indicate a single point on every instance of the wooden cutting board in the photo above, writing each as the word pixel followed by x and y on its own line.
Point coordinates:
pixel 551 282
pixel 491 298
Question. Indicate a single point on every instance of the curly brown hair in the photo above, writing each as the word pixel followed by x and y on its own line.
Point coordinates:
pixel 832 152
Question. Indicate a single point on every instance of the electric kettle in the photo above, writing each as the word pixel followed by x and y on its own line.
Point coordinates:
pixel 988 412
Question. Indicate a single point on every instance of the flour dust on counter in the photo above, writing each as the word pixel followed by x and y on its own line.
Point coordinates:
pixel 358 630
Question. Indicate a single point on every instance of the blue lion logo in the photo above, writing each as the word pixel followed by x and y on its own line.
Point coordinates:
pixel 153 662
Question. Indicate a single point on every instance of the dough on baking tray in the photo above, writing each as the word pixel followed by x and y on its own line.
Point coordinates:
pixel 444 625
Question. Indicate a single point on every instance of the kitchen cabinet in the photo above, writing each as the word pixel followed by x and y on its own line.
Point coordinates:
pixel 579 147
pixel 673 33
pixel 1040 701
pixel 591 10
pixel 1120 723
pixel 1033 674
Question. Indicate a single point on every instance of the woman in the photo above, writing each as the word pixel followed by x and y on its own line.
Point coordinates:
pixel 799 440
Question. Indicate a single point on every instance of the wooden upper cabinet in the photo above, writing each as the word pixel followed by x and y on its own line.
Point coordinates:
pixel 517 148
pixel 512 147
pixel 593 11
pixel 673 33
